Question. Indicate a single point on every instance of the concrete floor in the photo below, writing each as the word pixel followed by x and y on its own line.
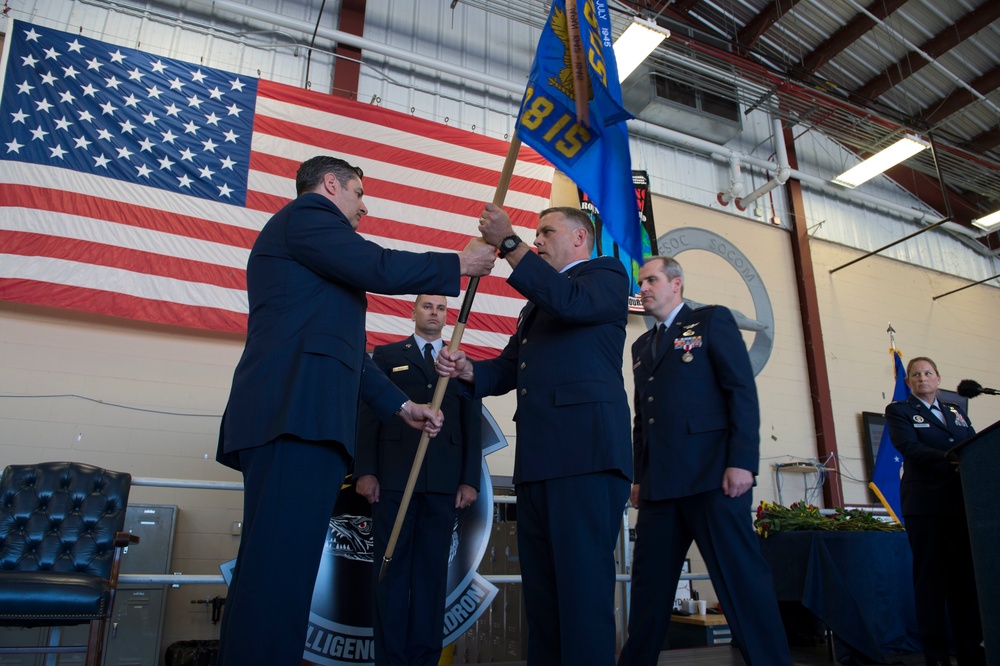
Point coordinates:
pixel 725 656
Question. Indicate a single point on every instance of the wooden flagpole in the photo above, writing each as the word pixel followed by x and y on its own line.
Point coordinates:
pixel 442 383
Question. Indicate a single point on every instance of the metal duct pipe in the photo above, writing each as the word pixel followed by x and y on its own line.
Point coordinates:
pixel 642 128
pixel 736 185
pixel 638 127
pixel 784 171
pixel 269 16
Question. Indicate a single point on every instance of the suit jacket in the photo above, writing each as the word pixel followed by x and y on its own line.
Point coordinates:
pixel 694 418
pixel 565 362
pixel 930 483
pixel 304 365
pixel 387 449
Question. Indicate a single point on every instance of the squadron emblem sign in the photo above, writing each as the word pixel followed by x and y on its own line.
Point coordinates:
pixel 340 621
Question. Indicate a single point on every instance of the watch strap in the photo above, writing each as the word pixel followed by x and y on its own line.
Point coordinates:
pixel 508 244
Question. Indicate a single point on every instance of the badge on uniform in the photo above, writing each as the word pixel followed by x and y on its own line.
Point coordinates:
pixel 917 418
pixel 687 342
pixel 959 419
pixel 401 368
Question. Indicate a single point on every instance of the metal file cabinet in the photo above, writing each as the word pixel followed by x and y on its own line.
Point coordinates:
pixel 137 618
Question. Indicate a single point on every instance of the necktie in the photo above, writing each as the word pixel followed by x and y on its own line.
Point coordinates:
pixel 936 411
pixel 657 339
pixel 429 357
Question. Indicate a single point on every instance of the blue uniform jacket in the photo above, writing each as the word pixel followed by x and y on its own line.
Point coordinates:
pixel 304 365
pixel 387 449
pixel 565 364
pixel 695 418
pixel 930 483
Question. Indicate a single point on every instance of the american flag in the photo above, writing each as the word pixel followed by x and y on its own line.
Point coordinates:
pixel 134 185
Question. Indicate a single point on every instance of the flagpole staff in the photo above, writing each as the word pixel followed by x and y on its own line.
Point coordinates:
pixel 871 484
pixel 442 383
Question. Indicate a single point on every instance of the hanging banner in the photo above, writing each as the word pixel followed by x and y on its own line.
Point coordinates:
pixel 606 245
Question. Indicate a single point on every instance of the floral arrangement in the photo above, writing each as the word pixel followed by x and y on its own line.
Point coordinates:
pixel 800 517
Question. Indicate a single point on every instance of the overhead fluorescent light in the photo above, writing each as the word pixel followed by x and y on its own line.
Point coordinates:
pixel 636 43
pixel 989 223
pixel 880 162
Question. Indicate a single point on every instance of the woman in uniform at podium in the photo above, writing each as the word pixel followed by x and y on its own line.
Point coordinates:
pixel 923 429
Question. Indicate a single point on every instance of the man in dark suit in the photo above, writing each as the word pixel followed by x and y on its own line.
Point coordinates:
pixel 923 429
pixel 290 424
pixel 409 602
pixel 572 465
pixel 696 448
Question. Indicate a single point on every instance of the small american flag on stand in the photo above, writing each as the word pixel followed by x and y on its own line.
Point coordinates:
pixel 134 185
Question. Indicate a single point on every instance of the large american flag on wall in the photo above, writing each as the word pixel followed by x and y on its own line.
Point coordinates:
pixel 134 185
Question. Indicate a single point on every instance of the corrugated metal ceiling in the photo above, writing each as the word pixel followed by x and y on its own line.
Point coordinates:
pixel 860 71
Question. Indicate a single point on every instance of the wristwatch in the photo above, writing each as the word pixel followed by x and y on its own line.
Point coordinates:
pixel 508 244
pixel 401 407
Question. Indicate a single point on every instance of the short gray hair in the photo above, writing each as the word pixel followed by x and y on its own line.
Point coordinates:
pixel 577 219
pixel 670 267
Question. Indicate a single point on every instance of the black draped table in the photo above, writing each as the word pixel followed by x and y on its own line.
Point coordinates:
pixel 858 584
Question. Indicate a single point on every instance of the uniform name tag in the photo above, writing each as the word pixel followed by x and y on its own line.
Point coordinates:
pixel 921 425
pixel 400 368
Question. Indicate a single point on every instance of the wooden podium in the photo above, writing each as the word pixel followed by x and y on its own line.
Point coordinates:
pixel 979 466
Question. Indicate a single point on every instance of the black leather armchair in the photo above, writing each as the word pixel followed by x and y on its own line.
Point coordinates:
pixel 60 548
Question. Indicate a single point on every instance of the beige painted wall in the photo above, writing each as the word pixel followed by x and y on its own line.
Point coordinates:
pixel 858 303
pixel 182 377
pixel 174 383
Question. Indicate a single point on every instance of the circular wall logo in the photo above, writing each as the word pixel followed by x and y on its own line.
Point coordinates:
pixel 761 323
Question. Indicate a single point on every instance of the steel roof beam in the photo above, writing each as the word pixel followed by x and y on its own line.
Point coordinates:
pixel 850 33
pixel 961 98
pixel 759 24
pixel 935 47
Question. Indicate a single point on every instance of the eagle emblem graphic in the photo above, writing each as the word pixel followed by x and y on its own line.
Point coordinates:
pixel 564 81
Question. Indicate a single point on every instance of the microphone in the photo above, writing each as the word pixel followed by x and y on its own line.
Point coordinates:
pixel 968 388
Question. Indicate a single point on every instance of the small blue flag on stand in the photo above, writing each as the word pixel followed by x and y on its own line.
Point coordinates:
pixel 889 463
pixel 594 154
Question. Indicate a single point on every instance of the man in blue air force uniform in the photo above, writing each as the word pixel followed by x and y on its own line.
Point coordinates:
pixel 409 602
pixel 696 446
pixel 572 464
pixel 291 421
